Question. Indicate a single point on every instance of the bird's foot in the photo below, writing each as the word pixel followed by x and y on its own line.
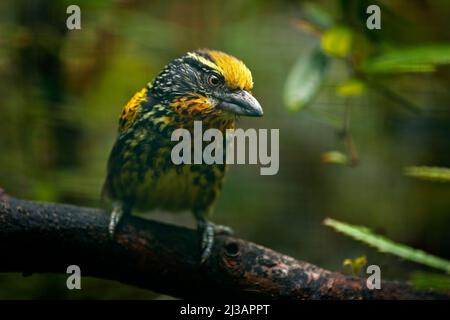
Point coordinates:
pixel 208 230
pixel 116 216
pixel 223 230
pixel 207 234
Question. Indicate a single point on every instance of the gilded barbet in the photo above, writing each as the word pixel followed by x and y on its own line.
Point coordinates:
pixel 204 85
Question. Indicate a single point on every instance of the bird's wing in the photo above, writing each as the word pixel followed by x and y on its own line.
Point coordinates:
pixel 131 109
pixel 128 119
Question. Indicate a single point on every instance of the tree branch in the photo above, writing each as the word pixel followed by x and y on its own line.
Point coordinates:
pixel 47 238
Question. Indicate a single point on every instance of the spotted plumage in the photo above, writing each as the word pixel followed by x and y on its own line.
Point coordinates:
pixel 205 85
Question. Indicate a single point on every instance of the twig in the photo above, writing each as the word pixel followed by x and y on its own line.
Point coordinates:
pixel 346 135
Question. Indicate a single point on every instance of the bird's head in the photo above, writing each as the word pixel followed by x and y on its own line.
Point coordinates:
pixel 207 83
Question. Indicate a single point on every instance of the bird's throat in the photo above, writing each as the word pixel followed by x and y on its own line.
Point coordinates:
pixel 197 108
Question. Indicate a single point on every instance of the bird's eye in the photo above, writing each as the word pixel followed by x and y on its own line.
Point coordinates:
pixel 213 80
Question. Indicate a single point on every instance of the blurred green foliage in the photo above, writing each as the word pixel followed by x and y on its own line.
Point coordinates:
pixel 305 79
pixel 356 265
pixel 415 59
pixel 429 173
pixel 425 280
pixel 383 244
pixel 63 91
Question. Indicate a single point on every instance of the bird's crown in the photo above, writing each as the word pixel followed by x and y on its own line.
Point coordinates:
pixel 190 74
pixel 234 71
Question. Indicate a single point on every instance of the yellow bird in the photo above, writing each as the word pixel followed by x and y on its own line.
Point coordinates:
pixel 205 85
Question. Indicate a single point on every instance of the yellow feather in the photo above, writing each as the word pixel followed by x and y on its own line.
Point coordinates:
pixel 235 72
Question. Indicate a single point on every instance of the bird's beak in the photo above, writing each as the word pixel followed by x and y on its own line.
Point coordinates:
pixel 241 103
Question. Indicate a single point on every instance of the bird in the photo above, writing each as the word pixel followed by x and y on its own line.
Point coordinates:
pixel 204 85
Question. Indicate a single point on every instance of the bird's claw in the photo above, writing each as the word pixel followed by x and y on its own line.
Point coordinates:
pixel 207 241
pixel 114 220
pixel 208 230
pixel 223 230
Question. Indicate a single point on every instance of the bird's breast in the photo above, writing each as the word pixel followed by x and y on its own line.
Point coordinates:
pixel 181 187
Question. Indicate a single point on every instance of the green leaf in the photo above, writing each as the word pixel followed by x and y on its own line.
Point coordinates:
pixel 437 174
pixel 335 157
pixel 351 88
pixel 385 245
pixel 355 264
pixel 305 79
pixel 426 280
pixel 416 59
pixel 337 41
pixel 316 15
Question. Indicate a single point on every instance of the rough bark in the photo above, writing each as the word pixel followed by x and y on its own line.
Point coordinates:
pixel 46 238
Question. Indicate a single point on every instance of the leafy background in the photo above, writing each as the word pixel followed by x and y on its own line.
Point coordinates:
pixel 360 113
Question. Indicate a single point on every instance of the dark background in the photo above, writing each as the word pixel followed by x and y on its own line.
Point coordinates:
pixel 62 92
